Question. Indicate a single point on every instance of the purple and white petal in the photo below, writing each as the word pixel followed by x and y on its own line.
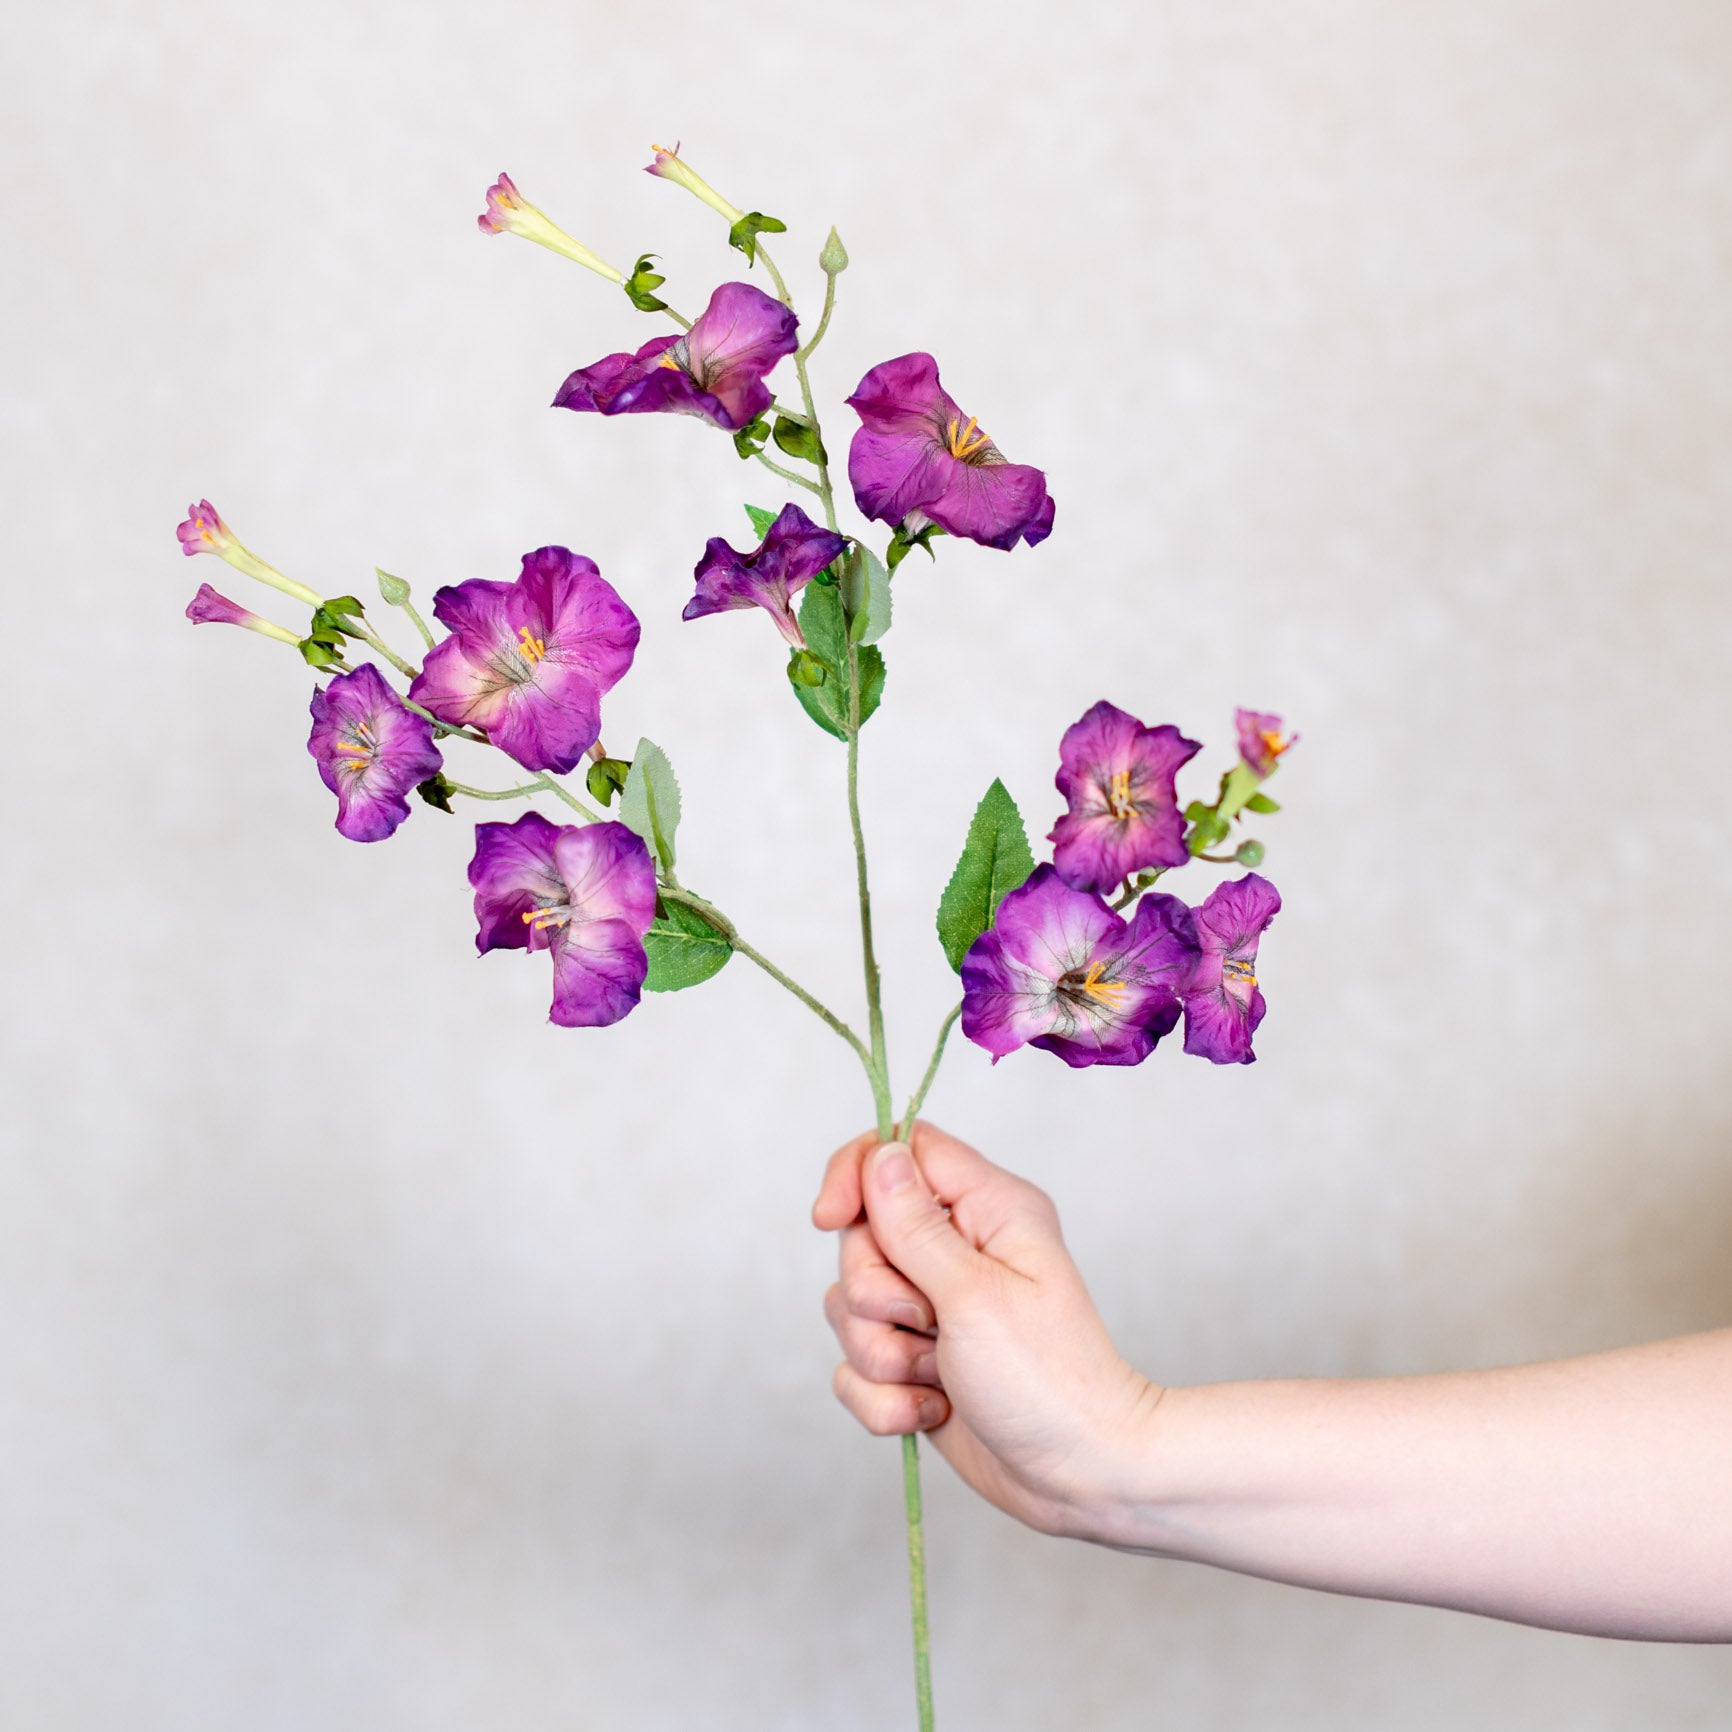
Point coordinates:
pixel 1223 1004
pixel 514 874
pixel 735 342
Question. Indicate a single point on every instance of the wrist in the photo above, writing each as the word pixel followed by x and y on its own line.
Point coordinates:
pixel 1127 1501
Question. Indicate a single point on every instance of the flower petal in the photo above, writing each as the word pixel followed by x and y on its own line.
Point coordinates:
pixel 514 872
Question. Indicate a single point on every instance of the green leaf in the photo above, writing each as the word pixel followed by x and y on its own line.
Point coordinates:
pixel 684 949
pixel 822 621
pixel 865 594
pixel 1237 787
pixel 318 655
pixel 744 234
pixel 650 804
pixel 1261 803
pixel 605 777
pixel 799 440
pixel 638 285
pixel 393 589
pixel 995 859
pixel 749 440
pixel 342 604
pixel 761 519
pixel 904 542
pixel 436 791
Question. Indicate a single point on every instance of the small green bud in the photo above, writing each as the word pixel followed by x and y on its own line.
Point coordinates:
pixel 833 260
pixel 805 669
pixel 605 776
pixel 1249 853
pixel 393 589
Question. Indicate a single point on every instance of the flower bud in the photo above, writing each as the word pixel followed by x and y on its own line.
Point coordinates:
pixel 394 590
pixel 667 164
pixel 1249 853
pixel 833 260
pixel 509 212
pixel 210 608
pixel 205 532
pixel 806 669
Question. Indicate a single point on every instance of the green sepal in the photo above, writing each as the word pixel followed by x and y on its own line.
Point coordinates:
pixel 744 234
pixel 825 629
pixel 684 949
pixel 1261 803
pixel 805 669
pixel 995 860
pixel 1206 831
pixel 799 440
pixel 865 593
pixel 1197 811
pixel 904 541
pixel 436 791
pixel 605 778
pixel 318 654
pixel 337 606
pixel 639 284
pixel 1237 787
pixel 1249 852
pixel 394 590
pixel 749 440
pixel 650 802
pixel 761 519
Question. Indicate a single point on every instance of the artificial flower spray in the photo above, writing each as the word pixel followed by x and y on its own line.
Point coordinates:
pixel 1080 956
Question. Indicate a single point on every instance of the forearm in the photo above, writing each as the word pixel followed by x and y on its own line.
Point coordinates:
pixel 1590 1494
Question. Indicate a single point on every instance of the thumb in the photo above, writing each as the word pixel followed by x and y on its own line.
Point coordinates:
pixel 911 1226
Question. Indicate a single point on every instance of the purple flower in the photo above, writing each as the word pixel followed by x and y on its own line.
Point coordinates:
pixel 1222 1003
pixel 1124 814
pixel 509 212
pixel 715 370
pixel 1261 741
pixel 203 531
pixel 528 662
pixel 1058 969
pixel 209 607
pixel 588 895
pixel 371 751
pixel 918 458
pixel 793 551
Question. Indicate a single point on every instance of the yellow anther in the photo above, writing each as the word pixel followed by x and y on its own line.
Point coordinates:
pixel 666 359
pixel 1109 992
pixel 542 918
pixel 359 751
pixel 1238 968
pixel 964 441
pixel 533 648
pixel 1274 743
pixel 1119 795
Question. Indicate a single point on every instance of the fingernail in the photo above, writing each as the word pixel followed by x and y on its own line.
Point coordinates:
pixel 909 1315
pixel 893 1167
pixel 930 1410
pixel 926 1366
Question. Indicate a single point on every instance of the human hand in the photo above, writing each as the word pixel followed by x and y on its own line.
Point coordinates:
pixel 962 1314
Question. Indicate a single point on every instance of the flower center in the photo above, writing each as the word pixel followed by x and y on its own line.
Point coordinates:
pixel 1241 969
pixel 964 442
pixel 1273 743
pixel 1107 992
pixel 1119 795
pixel 555 914
pixel 533 648
pixel 360 750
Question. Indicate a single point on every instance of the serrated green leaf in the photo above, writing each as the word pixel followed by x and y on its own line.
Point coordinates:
pixel 761 519
pixel 995 860
pixel 865 593
pixel 799 440
pixel 684 950
pixel 650 802
pixel 822 622
pixel 1261 803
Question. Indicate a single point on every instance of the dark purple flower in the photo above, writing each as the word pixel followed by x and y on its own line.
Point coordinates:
pixel 210 607
pixel 371 751
pixel 529 662
pixel 1261 741
pixel 715 370
pixel 1124 815
pixel 588 895
pixel 793 551
pixel 1059 969
pixel 917 459
pixel 1222 1003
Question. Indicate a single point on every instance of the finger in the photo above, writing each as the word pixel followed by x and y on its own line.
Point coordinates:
pixel 878 1351
pixel 839 1195
pixel 913 1229
pixel 888 1409
pixel 996 1211
pixel 872 1289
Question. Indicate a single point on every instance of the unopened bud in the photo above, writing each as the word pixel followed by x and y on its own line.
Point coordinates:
pixel 205 532
pixel 509 212
pixel 833 260
pixel 210 608
pixel 668 166
pixel 1249 853
pixel 393 589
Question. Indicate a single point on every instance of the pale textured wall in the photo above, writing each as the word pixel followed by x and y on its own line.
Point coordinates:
pixel 377 1356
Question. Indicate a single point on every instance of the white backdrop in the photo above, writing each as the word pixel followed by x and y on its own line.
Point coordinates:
pixel 377 1356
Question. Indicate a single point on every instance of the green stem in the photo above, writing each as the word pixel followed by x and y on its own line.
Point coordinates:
pixel 492 793
pixel 824 320
pixel 917 1578
pixel 789 475
pixel 374 641
pixel 419 623
pixel 823 489
pixel 944 1028
pixel 788 414
pixel 560 791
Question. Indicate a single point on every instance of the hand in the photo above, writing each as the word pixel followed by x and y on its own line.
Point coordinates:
pixel 962 1314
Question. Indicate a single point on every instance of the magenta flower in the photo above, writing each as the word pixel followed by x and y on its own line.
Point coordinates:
pixel 1059 969
pixel 587 895
pixel 715 370
pixel 1261 741
pixel 203 531
pixel 529 662
pixel 917 459
pixel 209 607
pixel 1124 814
pixel 1222 1003
pixel 371 751
pixel 509 212
pixel 794 550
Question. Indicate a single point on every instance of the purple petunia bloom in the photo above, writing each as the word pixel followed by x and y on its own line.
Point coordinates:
pixel 371 751
pixel 211 607
pixel 794 550
pixel 1124 814
pixel 715 370
pixel 1059 969
pixel 587 895
pixel 1261 742
pixel 917 459
pixel 529 662
pixel 1222 1003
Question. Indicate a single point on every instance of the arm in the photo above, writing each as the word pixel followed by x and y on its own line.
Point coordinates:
pixel 1590 1494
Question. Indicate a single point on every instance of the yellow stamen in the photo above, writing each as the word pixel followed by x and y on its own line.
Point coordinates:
pixel 1119 795
pixel 666 360
pixel 1274 743
pixel 542 918
pixel 964 441
pixel 533 648
pixel 1237 968
pixel 1109 992
pixel 359 751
